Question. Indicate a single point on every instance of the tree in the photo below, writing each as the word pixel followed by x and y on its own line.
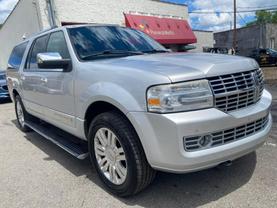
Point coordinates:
pixel 263 17
pixel 274 17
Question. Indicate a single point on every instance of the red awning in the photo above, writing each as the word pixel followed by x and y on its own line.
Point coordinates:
pixel 163 30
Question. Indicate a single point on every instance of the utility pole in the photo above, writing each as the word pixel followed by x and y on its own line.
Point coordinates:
pixel 235 26
pixel 51 13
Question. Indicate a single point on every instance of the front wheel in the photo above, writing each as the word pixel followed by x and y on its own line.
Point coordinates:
pixel 118 156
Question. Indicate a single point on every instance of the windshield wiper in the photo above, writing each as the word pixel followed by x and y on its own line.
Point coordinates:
pixel 111 52
pixel 156 51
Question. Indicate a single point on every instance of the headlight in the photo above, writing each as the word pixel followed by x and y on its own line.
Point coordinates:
pixel 186 96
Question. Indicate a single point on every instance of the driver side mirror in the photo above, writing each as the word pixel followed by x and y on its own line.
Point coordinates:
pixel 53 60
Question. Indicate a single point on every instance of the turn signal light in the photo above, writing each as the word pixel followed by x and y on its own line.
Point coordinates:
pixel 154 102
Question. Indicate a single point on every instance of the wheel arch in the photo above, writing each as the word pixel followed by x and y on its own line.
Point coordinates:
pixel 14 93
pixel 98 107
pixel 103 97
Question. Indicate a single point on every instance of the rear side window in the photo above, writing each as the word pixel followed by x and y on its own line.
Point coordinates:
pixel 57 43
pixel 17 56
pixel 39 46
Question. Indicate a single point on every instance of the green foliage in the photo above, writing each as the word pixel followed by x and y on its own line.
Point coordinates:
pixel 264 17
pixel 251 23
pixel 274 17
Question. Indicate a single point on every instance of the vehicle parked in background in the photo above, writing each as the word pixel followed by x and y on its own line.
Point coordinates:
pixel 4 93
pixel 215 50
pixel 117 95
pixel 265 56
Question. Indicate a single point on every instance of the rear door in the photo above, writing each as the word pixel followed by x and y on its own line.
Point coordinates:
pixel 264 57
pixel 271 58
pixel 51 91
pixel 31 79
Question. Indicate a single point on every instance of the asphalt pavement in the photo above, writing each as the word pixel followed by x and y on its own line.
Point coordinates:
pixel 36 173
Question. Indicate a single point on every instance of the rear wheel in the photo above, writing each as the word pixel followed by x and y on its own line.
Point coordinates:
pixel 21 114
pixel 118 156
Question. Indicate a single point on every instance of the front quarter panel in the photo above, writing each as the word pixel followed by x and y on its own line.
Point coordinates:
pixel 121 86
pixel 111 93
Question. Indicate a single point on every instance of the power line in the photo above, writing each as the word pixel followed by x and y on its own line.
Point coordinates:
pixel 241 11
pixel 259 7
pixel 242 19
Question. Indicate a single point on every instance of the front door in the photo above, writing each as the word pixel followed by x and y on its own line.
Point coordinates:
pixel 50 93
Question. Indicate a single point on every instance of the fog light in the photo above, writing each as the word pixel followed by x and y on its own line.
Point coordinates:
pixel 205 140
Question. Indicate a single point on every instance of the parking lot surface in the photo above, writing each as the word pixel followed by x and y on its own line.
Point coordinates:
pixel 36 173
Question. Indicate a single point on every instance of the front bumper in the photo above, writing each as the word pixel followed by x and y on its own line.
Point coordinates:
pixel 162 135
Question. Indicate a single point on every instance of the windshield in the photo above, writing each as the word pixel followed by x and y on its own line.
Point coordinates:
pixel 106 41
pixel 272 51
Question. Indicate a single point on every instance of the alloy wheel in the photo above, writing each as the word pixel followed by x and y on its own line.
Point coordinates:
pixel 20 114
pixel 110 156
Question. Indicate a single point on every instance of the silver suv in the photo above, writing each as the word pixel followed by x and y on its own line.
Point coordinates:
pixel 115 94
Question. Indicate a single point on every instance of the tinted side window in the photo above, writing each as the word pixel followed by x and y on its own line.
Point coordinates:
pixel 17 55
pixel 39 46
pixel 57 43
pixel 262 51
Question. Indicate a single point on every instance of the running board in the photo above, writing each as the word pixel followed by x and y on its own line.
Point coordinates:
pixel 64 140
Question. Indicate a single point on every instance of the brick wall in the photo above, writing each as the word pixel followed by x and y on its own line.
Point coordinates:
pixel 107 11
pixel 248 38
pixel 271 33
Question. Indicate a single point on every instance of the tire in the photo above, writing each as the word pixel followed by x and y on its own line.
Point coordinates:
pixel 138 173
pixel 21 123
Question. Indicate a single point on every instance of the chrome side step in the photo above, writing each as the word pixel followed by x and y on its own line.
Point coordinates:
pixel 64 140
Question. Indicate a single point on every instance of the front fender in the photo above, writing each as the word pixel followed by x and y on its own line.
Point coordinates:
pixel 113 94
pixel 14 84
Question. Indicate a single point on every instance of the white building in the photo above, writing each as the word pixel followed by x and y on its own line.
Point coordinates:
pixel 32 16
pixel 204 38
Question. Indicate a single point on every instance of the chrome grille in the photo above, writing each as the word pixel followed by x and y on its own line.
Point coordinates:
pixel 226 136
pixel 238 90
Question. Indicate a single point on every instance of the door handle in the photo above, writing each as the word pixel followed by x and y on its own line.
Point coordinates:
pixel 43 79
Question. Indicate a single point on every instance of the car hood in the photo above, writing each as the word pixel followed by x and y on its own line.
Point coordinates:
pixel 184 66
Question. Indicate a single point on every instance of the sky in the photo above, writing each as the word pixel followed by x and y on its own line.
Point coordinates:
pixel 222 21
pixel 216 21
